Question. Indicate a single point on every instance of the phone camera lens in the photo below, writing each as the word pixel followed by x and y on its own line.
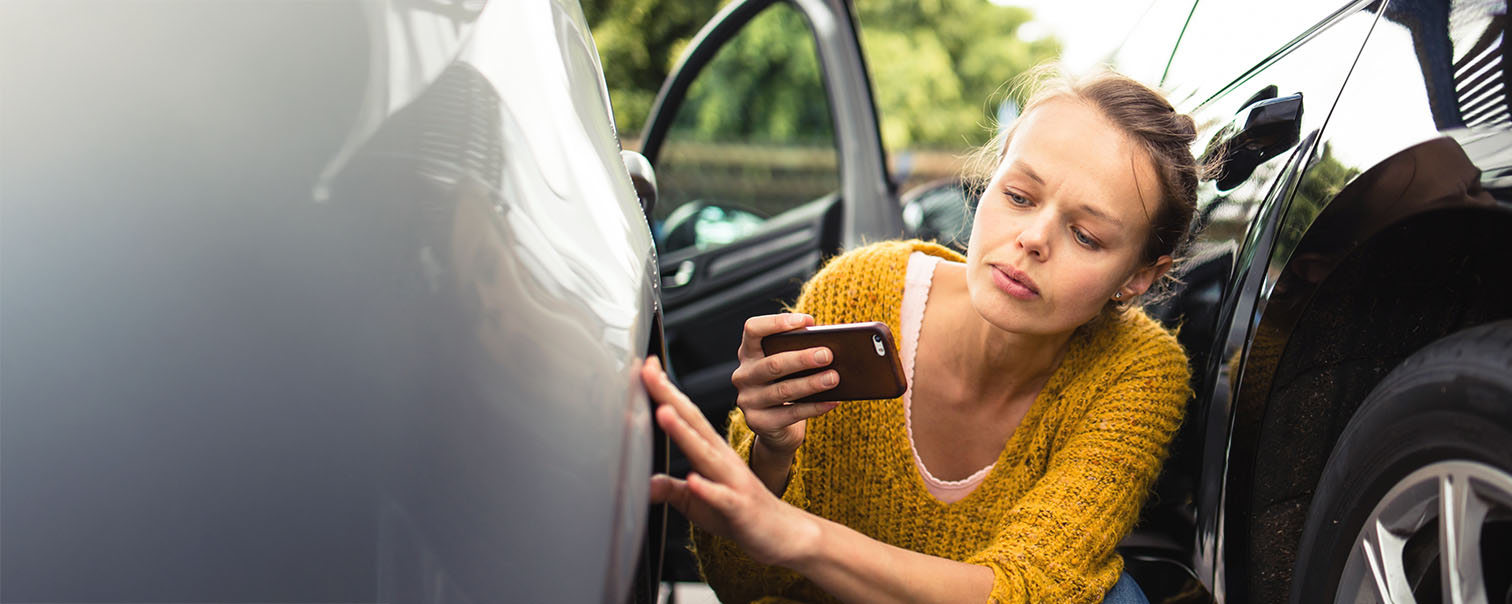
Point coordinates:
pixel 877 343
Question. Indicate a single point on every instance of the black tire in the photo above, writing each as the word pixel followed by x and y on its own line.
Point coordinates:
pixel 1448 406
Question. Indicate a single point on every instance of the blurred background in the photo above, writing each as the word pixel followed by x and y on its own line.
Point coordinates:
pixel 938 73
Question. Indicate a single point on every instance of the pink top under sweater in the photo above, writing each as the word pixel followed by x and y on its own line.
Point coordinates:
pixel 911 317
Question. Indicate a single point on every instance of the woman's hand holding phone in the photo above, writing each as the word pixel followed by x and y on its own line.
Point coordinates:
pixel 765 396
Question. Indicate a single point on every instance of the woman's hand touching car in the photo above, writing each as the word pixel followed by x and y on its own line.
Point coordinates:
pixel 721 494
pixel 724 497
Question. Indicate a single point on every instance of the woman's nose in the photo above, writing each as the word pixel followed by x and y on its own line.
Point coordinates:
pixel 1035 238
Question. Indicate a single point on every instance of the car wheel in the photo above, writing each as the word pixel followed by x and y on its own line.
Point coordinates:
pixel 1415 503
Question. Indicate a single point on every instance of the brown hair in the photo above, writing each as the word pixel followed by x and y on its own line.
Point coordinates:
pixel 1144 115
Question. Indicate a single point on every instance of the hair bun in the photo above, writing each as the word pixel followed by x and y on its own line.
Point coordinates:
pixel 1186 127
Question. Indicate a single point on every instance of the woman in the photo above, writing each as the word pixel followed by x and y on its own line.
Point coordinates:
pixel 1040 402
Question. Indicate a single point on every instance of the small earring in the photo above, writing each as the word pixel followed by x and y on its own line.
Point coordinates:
pixel 1118 296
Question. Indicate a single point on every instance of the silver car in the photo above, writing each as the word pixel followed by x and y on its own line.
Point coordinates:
pixel 319 302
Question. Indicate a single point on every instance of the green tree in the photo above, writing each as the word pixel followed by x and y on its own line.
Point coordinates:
pixel 639 41
pixel 1325 177
pixel 937 66
pixel 761 87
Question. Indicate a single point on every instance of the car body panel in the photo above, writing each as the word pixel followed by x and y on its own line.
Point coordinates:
pixel 1388 244
pixel 334 301
pixel 1230 249
pixel 1377 162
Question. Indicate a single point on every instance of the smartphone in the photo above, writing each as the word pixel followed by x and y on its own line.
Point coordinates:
pixel 864 356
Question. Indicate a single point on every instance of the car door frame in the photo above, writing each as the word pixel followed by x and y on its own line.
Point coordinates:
pixel 771 262
pixel 864 208
pixel 847 83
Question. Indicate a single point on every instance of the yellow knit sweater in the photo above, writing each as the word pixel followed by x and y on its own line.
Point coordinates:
pixel 1064 491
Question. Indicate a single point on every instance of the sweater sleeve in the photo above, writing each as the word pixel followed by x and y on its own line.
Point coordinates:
pixel 864 284
pixel 724 565
pixel 733 575
pixel 1056 544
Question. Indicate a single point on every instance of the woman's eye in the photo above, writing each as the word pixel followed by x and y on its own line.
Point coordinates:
pixel 1082 238
pixel 1016 199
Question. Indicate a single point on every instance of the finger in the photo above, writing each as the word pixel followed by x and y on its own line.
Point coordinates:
pixel 661 389
pixel 778 366
pixel 666 489
pixel 798 412
pixel 713 459
pixel 717 495
pixel 793 389
pixel 761 326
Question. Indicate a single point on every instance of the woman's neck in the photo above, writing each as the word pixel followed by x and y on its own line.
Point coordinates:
pixel 994 365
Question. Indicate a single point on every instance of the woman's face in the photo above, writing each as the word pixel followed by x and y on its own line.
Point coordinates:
pixel 1062 227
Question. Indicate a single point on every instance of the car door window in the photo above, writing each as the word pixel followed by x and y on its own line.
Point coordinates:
pixel 752 139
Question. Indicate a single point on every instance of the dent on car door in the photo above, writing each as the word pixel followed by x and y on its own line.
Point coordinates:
pixel 1260 101
pixel 747 138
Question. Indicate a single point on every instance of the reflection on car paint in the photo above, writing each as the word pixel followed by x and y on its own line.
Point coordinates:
pixel 351 312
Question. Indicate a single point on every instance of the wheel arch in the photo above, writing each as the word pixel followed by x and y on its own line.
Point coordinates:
pixel 1407 253
pixel 1441 416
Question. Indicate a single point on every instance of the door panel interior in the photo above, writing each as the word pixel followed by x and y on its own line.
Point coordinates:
pixel 722 288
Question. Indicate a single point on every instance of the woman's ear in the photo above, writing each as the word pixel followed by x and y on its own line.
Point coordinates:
pixel 1146 276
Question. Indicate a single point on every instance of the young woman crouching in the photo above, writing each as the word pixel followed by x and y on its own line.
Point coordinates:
pixel 1040 403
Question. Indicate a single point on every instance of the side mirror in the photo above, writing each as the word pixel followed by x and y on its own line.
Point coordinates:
pixel 939 211
pixel 643 176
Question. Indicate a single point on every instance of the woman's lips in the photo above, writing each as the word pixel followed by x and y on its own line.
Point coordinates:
pixel 1014 282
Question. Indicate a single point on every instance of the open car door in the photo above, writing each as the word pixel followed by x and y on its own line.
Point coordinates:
pixel 768 157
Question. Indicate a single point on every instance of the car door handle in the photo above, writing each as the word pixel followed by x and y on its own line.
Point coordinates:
pixel 680 277
pixel 1262 130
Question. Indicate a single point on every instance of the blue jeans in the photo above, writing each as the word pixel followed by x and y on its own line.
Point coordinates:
pixel 1125 591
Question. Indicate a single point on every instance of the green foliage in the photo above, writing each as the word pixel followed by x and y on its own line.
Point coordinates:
pixel 1323 180
pixel 764 86
pixel 639 41
pixel 937 67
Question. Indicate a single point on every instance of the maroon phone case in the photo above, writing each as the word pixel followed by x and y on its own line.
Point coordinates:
pixel 864 374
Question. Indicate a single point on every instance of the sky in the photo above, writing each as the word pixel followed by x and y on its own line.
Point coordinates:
pixel 1086 42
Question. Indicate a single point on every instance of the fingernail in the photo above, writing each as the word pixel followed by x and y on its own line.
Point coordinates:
pixel 822 356
pixel 794 320
pixel 829 379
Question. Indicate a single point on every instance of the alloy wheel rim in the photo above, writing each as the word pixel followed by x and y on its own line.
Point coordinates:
pixel 1435 517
